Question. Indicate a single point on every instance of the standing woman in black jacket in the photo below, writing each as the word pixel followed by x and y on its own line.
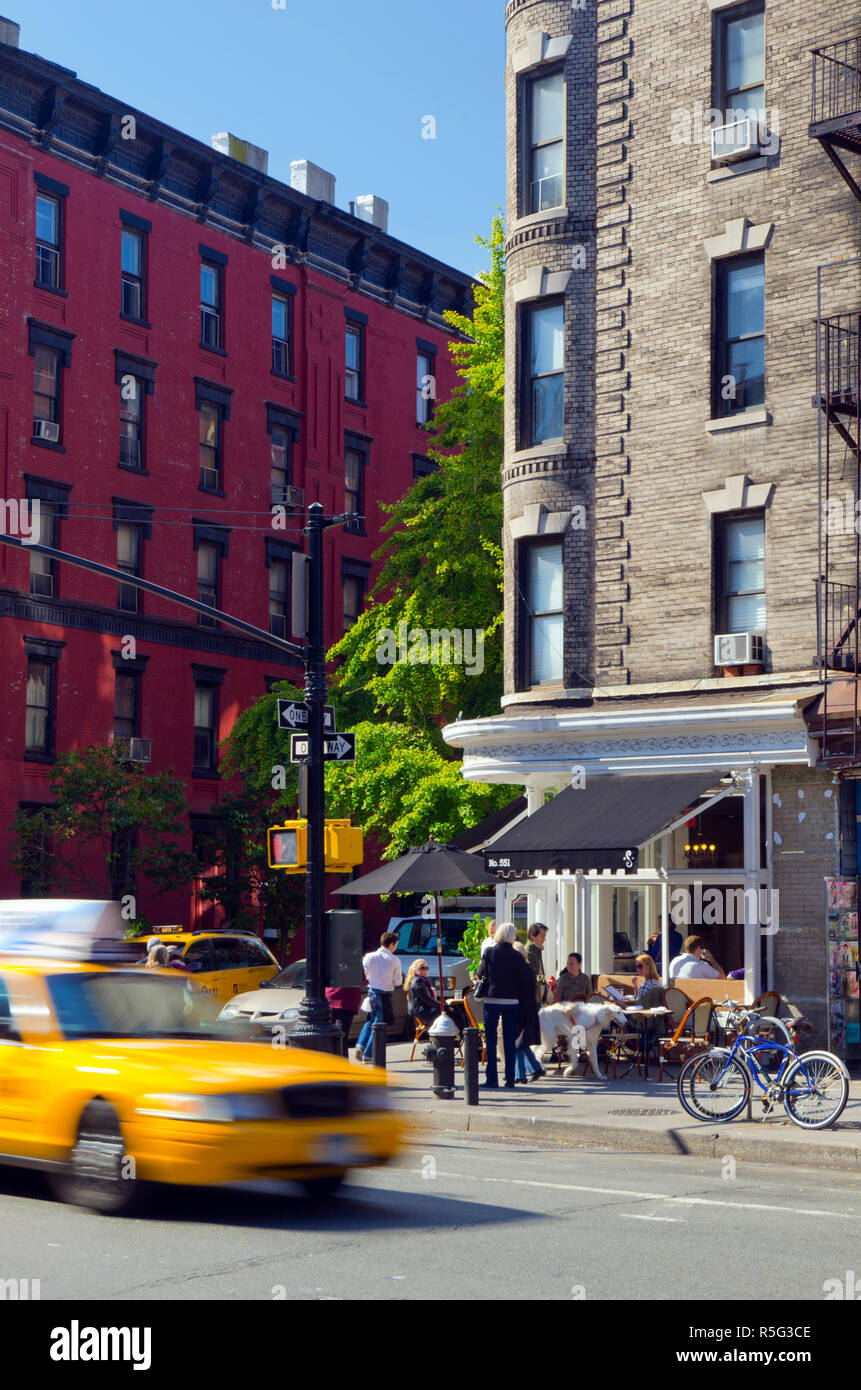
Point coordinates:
pixel 507 976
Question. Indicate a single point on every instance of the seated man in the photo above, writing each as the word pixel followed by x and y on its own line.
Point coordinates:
pixel 572 983
pixel 696 962
pixel 674 944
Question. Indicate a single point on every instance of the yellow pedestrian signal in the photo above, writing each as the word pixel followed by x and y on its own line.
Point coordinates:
pixel 288 846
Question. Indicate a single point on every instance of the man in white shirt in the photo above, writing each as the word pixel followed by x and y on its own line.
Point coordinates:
pixel 696 962
pixel 488 940
pixel 384 974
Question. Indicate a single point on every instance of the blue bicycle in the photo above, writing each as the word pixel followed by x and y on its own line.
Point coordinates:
pixel 716 1085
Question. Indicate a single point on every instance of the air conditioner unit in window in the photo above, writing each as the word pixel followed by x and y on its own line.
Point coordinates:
pixel 739 649
pixel 738 140
pixel 209 479
pixel 46 429
pixel 133 750
pixel 287 496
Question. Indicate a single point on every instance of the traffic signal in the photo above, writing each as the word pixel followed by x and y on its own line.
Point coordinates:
pixel 288 846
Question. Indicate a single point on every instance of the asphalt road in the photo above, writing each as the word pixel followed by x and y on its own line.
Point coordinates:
pixel 464 1219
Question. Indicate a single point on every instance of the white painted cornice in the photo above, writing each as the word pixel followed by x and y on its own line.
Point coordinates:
pixel 720 737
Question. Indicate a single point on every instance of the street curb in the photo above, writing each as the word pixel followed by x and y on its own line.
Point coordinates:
pixel 706 1143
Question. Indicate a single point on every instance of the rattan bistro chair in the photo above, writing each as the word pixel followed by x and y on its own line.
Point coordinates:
pixel 692 1034
pixel 678 1002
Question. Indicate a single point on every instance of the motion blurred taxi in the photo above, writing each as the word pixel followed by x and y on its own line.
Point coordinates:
pixel 223 963
pixel 110 1079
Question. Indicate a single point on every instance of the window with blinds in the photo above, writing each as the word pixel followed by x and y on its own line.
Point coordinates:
pixel 743 574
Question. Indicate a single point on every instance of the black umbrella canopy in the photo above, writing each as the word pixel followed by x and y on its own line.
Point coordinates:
pixel 431 868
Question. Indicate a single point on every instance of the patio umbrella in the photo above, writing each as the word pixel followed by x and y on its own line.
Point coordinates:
pixel 430 868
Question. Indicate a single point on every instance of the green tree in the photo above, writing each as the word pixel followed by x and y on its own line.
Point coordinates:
pixel 441 560
pixel 112 828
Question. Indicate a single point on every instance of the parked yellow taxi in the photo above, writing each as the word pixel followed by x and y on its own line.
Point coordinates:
pixel 223 963
pixel 112 1079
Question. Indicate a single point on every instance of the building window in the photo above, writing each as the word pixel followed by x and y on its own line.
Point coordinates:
pixel 278 597
pixel 281 325
pixel 545 123
pixel 210 454
pixel 354 384
pixel 133 247
pixel 43 570
pixel 126 706
pixel 354 488
pixel 211 325
pixel 123 845
pixel 279 464
pixel 740 348
pixel 740 62
pixel 129 554
pixel 205 727
pixel 131 423
pixel 425 387
pixel 208 564
pixel 544 354
pixel 542 646
pixel 48 244
pixel 46 393
pixel 354 592
pixel 423 467
pixel 39 733
pixel 741 574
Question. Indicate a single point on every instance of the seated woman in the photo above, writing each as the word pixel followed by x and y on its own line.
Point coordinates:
pixel 422 1002
pixel 572 983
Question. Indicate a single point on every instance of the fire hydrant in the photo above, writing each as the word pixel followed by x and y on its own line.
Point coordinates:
pixel 440 1051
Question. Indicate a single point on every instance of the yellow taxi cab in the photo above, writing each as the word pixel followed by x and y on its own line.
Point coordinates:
pixel 223 963
pixel 112 1079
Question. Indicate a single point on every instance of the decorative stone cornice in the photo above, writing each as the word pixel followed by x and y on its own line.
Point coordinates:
pixel 538 48
pixel 538 520
pixel 740 235
pixel 540 283
pixel 738 494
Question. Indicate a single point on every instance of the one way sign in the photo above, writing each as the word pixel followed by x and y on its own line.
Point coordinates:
pixel 293 714
pixel 340 748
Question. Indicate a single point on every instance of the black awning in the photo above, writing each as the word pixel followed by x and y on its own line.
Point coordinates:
pixel 478 835
pixel 596 827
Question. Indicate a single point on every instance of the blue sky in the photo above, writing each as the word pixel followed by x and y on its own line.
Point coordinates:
pixel 349 95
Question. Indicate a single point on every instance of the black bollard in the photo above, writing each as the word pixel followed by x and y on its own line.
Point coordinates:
pixel 470 1065
pixel 378 1045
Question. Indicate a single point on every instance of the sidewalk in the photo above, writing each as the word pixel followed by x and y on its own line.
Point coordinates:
pixel 628 1114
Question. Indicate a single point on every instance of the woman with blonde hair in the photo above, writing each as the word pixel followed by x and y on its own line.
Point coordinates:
pixel 421 997
pixel 507 975
pixel 157 958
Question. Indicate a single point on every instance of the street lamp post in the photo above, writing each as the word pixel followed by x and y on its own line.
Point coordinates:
pixel 315 1028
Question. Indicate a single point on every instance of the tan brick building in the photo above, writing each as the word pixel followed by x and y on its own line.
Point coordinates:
pixel 680 245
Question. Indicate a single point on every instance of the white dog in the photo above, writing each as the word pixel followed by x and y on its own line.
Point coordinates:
pixel 581 1025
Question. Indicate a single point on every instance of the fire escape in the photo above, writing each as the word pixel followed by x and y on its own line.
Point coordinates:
pixel 836 720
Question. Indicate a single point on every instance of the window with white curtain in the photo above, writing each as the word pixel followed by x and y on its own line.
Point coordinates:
pixel 542 574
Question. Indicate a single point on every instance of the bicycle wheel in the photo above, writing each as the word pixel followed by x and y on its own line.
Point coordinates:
pixel 713 1086
pixel 815 1091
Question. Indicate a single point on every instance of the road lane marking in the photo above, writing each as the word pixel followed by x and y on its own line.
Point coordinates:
pixel 632 1216
pixel 651 1196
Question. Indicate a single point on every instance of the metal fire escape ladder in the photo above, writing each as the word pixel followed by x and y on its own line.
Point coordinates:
pixel 836 116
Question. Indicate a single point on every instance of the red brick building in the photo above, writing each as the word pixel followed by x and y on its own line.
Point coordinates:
pixel 184 342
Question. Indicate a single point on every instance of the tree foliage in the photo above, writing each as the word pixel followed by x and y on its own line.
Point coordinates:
pixel 113 828
pixel 441 560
